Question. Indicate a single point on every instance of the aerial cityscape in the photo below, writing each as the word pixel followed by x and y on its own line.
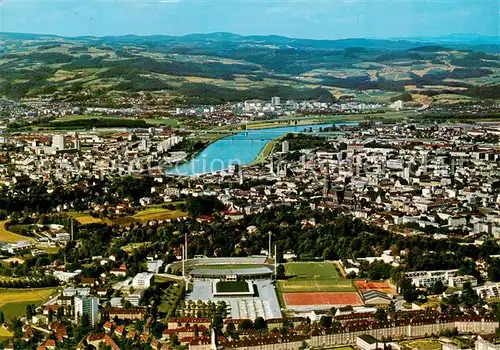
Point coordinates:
pixel 194 175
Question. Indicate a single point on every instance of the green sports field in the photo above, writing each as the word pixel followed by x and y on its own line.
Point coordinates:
pixel 313 277
pixel 311 270
pixel 232 287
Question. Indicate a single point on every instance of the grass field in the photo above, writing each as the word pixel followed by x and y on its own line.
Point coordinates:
pixel 170 295
pixel 265 152
pixel 422 344
pixel 231 266
pixel 163 121
pixel 84 218
pixel 131 246
pixel 232 287
pixel 313 277
pixel 311 270
pixel 13 310
pixel 4 334
pixel 158 214
pixel 51 250
pixel 143 215
pixel 7 236
pixel 13 301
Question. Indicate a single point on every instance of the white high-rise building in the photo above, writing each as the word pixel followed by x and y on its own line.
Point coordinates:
pixel 77 144
pixel 59 142
pixel 87 306
pixel 285 147
pixel 275 101
pixel 144 144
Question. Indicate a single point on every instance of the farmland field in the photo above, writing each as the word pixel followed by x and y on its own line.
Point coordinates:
pixel 85 218
pixel 158 214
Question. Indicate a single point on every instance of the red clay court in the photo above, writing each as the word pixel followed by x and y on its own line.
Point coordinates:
pixel 365 286
pixel 320 299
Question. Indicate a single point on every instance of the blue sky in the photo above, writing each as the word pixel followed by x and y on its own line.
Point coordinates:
pixel 326 19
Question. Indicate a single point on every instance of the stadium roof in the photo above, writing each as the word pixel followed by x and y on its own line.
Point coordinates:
pixel 239 272
pixel 374 294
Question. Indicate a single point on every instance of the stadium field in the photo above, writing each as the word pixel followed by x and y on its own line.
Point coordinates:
pixel 311 270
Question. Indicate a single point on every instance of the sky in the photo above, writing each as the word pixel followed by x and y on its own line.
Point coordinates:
pixel 315 19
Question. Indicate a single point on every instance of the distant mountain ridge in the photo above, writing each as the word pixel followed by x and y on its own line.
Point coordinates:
pixel 458 41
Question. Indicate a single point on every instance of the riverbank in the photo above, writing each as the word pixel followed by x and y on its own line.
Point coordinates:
pixel 265 153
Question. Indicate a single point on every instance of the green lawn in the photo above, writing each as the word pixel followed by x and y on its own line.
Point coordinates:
pixel 171 292
pixel 314 270
pixel 13 310
pixel 265 152
pixel 231 266
pixel 422 344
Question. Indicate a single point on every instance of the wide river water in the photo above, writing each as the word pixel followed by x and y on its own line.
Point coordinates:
pixel 241 148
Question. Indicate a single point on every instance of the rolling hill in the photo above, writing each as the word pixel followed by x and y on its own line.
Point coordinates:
pixel 220 67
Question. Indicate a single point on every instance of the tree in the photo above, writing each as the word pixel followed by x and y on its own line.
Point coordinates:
pixel 494 270
pixel 203 205
pixel 2 317
pixel 174 340
pixel 381 315
pixel 157 329
pixel 246 325
pixel 29 311
pixel 231 329
pixel 326 321
pixel 280 272
pixel 217 322
pixel 437 288
pixel 60 313
pixel 260 323
pixel 127 304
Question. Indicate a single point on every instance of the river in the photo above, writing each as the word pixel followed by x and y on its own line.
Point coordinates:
pixel 241 148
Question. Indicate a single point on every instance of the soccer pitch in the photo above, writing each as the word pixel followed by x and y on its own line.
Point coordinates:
pixel 311 270
pixel 313 277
